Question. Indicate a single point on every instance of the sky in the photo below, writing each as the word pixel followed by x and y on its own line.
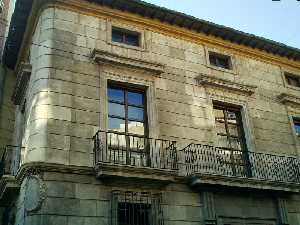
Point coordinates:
pixel 275 20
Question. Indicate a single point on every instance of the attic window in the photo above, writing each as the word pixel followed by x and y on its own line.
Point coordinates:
pixel 220 60
pixel 124 36
pixel 292 79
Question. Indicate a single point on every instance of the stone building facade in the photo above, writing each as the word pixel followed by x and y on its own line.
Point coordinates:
pixel 127 113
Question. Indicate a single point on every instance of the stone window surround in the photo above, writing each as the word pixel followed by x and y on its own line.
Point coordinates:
pixel 233 69
pixel 153 130
pixel 142 32
pixel 285 83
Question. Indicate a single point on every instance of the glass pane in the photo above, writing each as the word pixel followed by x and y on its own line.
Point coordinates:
pixel 233 130
pixel 116 110
pixel 116 124
pixel 235 143
pixel 220 128
pixel 117 35
pixel 132 39
pixel 136 128
pixel 231 117
pixel 135 113
pixel 135 98
pixel 297 128
pixel 115 95
pixel 223 141
pixel 219 115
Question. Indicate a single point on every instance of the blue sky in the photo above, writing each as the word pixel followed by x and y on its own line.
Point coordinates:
pixel 275 20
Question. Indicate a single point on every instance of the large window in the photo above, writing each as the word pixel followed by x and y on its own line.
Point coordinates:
pixel 231 154
pixel 229 127
pixel 296 122
pixel 292 79
pixel 126 110
pixel 136 208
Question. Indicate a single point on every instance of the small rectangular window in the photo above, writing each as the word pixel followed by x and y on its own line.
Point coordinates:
pixel 297 126
pixel 292 79
pixel 219 60
pixel 125 36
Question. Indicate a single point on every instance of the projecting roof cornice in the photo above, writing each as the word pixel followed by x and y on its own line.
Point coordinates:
pixel 212 81
pixel 100 56
pixel 286 98
pixel 157 15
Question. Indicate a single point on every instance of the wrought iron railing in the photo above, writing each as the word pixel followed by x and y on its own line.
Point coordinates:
pixel 133 150
pixel 204 159
pixel 10 160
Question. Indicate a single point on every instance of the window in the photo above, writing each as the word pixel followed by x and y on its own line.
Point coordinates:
pixel 126 110
pixel 292 79
pixel 136 208
pixel 229 127
pixel 297 126
pixel 125 36
pixel 232 155
pixel 219 60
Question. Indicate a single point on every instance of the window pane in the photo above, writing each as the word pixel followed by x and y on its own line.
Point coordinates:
pixel 220 128
pixel 233 130
pixel 117 35
pixel 135 127
pixel 116 95
pixel 223 141
pixel 116 124
pixel 116 110
pixel 135 113
pixel 135 98
pixel 297 128
pixel 235 143
pixel 219 115
pixel 132 39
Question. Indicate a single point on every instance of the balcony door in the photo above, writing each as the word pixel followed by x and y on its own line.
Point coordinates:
pixel 127 125
pixel 232 151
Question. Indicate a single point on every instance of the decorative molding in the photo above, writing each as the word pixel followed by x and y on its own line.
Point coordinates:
pixel 107 57
pixel 35 193
pixel 207 80
pixel 286 98
pixel 23 77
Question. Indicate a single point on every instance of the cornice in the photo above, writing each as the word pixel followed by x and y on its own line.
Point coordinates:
pixel 286 98
pixel 212 81
pixel 100 56
pixel 175 31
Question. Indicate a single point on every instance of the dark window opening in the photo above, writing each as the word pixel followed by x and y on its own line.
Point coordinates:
pixel 134 213
pixel 125 36
pixel 292 79
pixel 297 126
pixel 220 60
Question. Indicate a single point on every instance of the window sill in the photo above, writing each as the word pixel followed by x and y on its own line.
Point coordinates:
pixel 232 71
pixel 122 45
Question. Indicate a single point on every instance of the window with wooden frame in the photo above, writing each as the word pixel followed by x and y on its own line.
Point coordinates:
pixel 220 60
pixel 136 208
pixel 292 79
pixel 231 140
pixel 124 36
pixel 127 124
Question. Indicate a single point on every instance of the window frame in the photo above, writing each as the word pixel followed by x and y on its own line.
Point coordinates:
pixel 240 126
pixel 296 120
pixel 218 56
pixel 287 75
pixel 124 32
pixel 127 88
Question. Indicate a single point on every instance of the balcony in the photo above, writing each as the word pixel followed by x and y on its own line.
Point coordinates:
pixel 134 157
pixel 9 165
pixel 208 165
